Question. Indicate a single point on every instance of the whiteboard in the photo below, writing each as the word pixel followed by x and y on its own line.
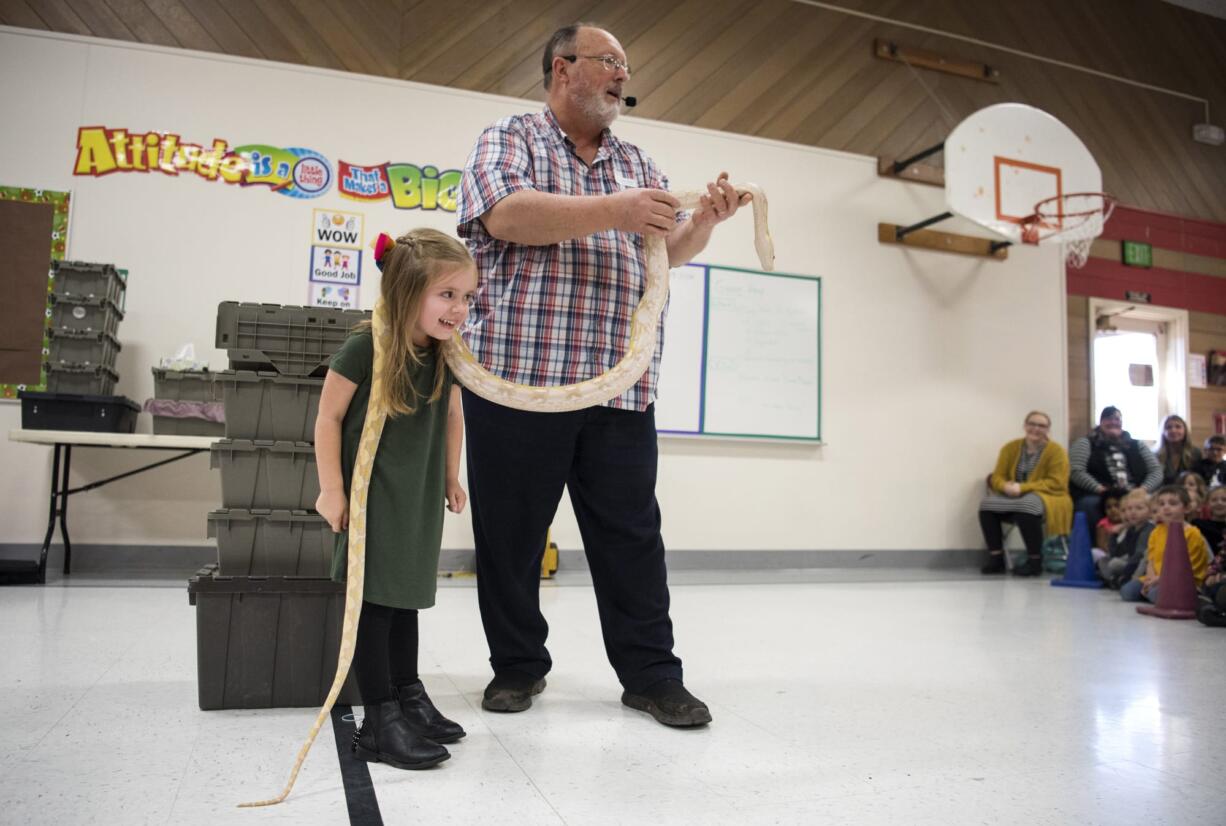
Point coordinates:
pixel 742 355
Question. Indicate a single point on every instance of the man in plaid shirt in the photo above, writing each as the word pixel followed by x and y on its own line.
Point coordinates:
pixel 555 210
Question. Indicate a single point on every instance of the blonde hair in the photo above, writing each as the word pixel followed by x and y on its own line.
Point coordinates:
pixel 1134 495
pixel 418 259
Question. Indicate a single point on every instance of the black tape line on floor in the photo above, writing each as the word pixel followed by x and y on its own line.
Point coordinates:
pixel 359 790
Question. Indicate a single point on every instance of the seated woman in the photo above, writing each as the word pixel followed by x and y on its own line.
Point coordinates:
pixel 1176 453
pixel 1029 488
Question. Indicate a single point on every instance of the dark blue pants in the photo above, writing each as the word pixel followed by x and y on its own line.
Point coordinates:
pixel 518 464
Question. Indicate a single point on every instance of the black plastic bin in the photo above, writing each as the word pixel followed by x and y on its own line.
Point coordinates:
pixel 65 411
pixel 267 642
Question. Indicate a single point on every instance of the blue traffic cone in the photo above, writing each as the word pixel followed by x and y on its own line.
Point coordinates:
pixel 1080 571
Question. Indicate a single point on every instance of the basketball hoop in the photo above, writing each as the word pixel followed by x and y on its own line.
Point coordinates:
pixel 1077 219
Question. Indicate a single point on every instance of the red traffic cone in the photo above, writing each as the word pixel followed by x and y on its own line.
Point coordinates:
pixel 1177 591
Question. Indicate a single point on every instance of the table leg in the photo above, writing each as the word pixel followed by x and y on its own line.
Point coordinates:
pixel 64 511
pixel 55 496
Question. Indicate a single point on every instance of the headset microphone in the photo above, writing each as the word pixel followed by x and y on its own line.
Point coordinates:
pixel 630 102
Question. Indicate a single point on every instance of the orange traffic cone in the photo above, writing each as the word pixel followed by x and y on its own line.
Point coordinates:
pixel 1177 592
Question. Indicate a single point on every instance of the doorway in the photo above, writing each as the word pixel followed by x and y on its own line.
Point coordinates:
pixel 1138 363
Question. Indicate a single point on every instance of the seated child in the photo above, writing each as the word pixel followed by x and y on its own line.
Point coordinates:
pixel 1197 490
pixel 1213 527
pixel 1172 502
pixel 1126 548
pixel 1212 610
pixel 1109 525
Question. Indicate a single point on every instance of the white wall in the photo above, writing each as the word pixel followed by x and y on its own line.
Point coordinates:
pixel 930 360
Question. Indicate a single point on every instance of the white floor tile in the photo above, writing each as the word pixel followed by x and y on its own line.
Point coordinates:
pixel 953 700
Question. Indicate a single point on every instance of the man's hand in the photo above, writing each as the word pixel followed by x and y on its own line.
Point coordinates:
pixel 719 204
pixel 646 211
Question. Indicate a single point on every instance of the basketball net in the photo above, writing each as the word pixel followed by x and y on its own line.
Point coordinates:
pixel 1077 219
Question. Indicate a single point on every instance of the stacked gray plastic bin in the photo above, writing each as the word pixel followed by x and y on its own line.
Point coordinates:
pixel 270 540
pixel 87 306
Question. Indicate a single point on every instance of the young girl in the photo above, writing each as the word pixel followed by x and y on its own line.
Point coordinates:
pixel 1176 454
pixel 1197 490
pixel 428 281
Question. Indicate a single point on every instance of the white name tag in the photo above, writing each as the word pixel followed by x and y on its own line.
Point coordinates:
pixel 625 181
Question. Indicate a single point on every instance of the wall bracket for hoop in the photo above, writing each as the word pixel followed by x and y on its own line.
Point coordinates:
pixel 913 169
pixel 918 235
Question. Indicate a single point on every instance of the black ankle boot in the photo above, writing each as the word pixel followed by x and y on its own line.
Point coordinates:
pixel 1033 567
pixel 994 565
pixel 422 717
pixel 385 737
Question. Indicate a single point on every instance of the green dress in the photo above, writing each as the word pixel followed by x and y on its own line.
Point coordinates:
pixel 404 517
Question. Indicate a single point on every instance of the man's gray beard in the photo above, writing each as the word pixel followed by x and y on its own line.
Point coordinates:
pixel 598 113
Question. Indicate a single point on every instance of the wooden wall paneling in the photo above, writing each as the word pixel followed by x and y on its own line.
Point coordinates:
pixel 352 41
pixel 375 24
pixel 224 29
pixel 178 21
pixel 61 17
pixel 829 64
pixel 315 50
pixel 871 92
pixel 626 20
pixel 664 47
pixel 19 13
pixel 694 86
pixel 766 83
pixel 520 50
pixel 697 52
pixel 271 39
pixel 102 20
pixel 141 20
pixel 1079 413
pixel 440 26
pixel 481 40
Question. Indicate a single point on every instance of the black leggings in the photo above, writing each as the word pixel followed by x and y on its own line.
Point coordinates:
pixel 385 653
pixel 1031 527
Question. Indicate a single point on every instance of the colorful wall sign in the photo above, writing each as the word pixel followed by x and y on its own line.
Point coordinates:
pixel 336 258
pixel 406 185
pixel 293 171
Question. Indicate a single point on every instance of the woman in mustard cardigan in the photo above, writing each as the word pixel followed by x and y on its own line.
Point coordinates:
pixel 1030 489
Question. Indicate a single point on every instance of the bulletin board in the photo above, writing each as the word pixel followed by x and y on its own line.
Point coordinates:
pixel 33 232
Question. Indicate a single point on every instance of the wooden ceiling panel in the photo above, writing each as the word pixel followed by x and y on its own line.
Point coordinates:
pixel 773 68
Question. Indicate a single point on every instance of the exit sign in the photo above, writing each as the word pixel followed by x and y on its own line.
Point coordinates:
pixel 1137 254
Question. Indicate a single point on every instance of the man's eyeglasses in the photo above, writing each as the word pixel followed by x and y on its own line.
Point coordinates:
pixel 611 63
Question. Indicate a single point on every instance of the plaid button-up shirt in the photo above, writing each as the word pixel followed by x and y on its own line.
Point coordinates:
pixel 560 314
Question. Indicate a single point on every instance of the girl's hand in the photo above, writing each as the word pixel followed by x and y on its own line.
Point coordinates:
pixel 333 505
pixel 1013 489
pixel 456 497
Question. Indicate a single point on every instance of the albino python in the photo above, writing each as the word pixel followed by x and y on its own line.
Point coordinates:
pixel 468 371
